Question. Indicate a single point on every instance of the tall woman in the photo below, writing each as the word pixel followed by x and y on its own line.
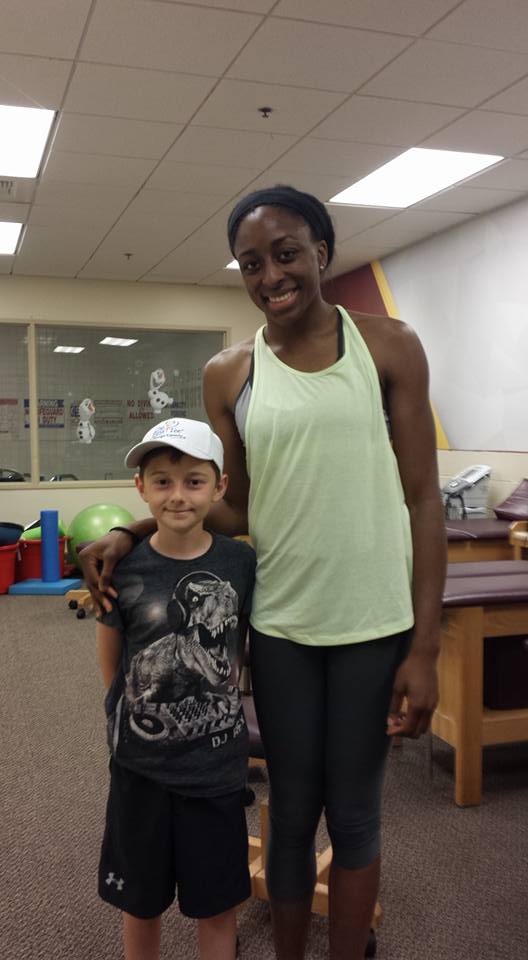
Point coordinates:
pixel 330 451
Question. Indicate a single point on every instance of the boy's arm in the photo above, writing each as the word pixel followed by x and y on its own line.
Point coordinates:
pixel 109 642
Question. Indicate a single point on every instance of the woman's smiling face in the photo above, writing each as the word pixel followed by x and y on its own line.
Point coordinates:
pixel 280 262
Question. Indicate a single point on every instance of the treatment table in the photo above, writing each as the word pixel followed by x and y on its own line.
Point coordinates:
pixel 482 539
pixel 481 599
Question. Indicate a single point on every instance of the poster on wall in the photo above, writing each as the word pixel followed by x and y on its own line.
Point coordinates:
pixel 9 417
pixel 50 414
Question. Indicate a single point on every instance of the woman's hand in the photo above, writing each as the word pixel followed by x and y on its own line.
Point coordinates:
pixel 417 680
pixel 98 560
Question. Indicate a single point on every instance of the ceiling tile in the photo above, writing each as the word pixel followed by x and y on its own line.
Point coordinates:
pixel 97 217
pixel 14 212
pixel 405 17
pixel 6 265
pixel 170 203
pixel 513 100
pixel 393 122
pixel 204 253
pixel 80 133
pixel 242 148
pixel 82 196
pixel 241 6
pixel 486 23
pixel 55 251
pixel 468 200
pixel 338 59
pixel 483 132
pixel 32 81
pixel 447 73
pixel 235 105
pixel 348 220
pixel 320 184
pixel 50 29
pixel 350 160
pixel 166 36
pixel 94 168
pixel 137 94
pixel 510 175
pixel 201 178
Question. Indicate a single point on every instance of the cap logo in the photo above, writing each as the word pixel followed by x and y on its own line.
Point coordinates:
pixel 168 429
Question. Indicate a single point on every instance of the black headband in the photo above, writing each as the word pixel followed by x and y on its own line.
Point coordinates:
pixel 303 204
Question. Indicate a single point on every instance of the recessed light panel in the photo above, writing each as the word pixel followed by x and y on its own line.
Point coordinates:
pixel 414 175
pixel 68 350
pixel 232 265
pixel 117 342
pixel 9 234
pixel 24 132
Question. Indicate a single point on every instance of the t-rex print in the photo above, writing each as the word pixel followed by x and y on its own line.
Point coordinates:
pixel 178 687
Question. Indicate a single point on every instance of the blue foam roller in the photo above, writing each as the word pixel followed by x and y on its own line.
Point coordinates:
pixel 49 525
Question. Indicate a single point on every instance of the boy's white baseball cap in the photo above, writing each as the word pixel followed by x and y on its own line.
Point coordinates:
pixel 190 436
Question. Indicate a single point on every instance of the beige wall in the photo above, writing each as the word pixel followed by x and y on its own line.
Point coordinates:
pixel 129 304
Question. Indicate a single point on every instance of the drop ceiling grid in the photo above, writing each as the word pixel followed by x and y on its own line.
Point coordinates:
pixel 161 117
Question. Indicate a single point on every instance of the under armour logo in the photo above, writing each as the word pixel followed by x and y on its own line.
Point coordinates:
pixel 111 879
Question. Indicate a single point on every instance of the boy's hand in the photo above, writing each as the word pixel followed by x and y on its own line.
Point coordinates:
pixel 416 680
pixel 98 560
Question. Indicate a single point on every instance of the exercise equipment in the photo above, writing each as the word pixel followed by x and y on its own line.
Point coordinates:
pixel 50 583
pixel 7 566
pixel 32 531
pixel 10 533
pixel 94 522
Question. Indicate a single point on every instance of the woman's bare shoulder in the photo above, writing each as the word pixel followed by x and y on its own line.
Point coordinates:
pixel 228 370
pixel 391 342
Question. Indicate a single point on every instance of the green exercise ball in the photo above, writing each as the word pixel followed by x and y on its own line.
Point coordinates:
pixel 33 532
pixel 93 522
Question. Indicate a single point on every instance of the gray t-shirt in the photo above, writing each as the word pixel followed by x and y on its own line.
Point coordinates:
pixel 174 709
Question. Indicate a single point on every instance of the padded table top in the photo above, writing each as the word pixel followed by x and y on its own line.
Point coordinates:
pixel 487 568
pixel 483 529
pixel 487 587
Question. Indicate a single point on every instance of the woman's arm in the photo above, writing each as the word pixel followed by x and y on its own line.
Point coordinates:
pixel 109 642
pixel 413 434
pixel 99 558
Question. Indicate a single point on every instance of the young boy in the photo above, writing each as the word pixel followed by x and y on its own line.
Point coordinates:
pixel 169 652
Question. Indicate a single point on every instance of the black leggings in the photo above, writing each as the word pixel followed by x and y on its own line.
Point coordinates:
pixel 322 713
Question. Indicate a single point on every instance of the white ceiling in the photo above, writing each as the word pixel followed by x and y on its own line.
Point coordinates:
pixel 159 133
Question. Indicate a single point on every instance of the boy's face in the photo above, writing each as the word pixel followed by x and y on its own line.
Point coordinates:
pixel 179 493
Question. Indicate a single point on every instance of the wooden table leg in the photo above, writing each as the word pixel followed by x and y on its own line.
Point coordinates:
pixel 462 673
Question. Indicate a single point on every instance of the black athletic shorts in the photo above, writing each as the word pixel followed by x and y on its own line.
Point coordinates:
pixel 156 842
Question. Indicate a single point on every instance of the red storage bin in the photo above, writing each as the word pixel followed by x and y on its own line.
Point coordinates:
pixel 29 566
pixel 7 566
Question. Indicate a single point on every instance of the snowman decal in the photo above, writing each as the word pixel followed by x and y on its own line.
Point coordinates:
pixel 158 398
pixel 85 429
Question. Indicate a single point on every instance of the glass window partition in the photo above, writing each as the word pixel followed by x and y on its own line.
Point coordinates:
pixel 96 403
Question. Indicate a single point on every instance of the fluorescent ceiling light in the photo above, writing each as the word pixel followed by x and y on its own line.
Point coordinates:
pixel 68 350
pixel 232 265
pixel 24 133
pixel 9 234
pixel 414 175
pixel 117 342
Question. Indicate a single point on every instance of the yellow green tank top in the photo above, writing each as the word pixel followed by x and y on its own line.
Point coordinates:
pixel 327 514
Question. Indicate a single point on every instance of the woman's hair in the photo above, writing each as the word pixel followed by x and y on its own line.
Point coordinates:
pixel 306 206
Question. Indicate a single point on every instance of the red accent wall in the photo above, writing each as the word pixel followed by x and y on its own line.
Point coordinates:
pixel 356 290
